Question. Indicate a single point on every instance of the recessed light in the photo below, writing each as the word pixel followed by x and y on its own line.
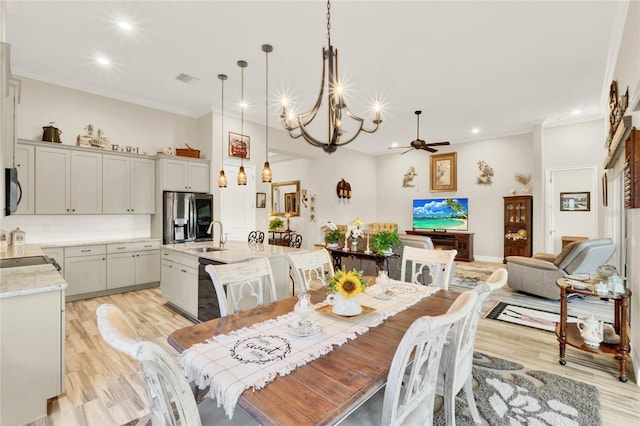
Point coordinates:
pixel 475 130
pixel 125 26
pixel 103 61
pixel 575 112
pixel 243 105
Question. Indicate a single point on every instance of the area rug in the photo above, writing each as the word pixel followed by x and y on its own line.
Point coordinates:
pixel 508 394
pixel 529 317
pixel 469 276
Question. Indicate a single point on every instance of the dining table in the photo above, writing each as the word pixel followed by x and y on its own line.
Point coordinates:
pixel 329 387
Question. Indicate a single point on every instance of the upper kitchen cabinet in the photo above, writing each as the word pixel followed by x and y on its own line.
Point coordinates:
pixel 178 174
pixel 26 166
pixel 68 181
pixel 128 185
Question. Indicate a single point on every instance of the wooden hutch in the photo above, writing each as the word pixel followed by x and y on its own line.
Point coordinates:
pixel 518 225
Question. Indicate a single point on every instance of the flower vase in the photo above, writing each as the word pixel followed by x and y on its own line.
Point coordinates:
pixel 345 307
pixel 354 245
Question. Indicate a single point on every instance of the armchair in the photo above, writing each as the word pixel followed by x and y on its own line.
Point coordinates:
pixel 538 275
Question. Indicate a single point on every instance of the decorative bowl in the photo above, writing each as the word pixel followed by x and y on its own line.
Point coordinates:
pixel 605 271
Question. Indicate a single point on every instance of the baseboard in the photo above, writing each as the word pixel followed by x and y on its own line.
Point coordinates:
pixel 490 259
pixel 635 363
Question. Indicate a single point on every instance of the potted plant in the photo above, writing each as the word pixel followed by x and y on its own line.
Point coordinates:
pixel 275 224
pixel 384 241
pixel 332 234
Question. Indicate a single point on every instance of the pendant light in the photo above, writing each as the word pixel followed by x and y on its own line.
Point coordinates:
pixel 266 170
pixel 242 176
pixel 222 179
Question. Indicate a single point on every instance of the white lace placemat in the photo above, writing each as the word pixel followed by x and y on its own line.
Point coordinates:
pixel 251 357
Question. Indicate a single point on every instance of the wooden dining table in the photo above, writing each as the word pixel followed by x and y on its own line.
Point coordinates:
pixel 329 387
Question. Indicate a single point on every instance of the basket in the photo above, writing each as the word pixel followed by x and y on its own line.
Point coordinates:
pixel 182 152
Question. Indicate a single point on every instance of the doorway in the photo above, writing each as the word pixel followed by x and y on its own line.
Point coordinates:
pixel 562 221
pixel 237 203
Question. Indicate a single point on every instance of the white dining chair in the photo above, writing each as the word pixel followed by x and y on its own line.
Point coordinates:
pixel 456 365
pixel 418 264
pixel 409 395
pixel 241 286
pixel 171 399
pixel 309 269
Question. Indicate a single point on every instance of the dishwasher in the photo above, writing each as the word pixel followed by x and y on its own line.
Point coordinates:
pixel 208 307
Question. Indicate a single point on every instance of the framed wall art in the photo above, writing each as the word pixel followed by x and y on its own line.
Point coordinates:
pixel 239 145
pixel 444 171
pixel 575 201
pixel 261 200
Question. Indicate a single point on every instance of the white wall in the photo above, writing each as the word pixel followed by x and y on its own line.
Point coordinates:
pixel 507 155
pixel 124 123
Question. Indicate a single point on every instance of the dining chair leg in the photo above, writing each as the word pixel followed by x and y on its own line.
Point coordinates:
pixel 471 401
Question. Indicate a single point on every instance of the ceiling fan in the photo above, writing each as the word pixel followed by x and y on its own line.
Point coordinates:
pixel 419 143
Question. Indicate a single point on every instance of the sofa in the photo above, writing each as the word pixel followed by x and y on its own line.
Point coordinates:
pixel 537 275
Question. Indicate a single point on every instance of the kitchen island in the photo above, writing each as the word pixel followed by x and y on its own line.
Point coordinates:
pixel 32 337
pixel 187 286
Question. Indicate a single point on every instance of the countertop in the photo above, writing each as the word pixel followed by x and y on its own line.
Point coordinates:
pixel 233 251
pixel 23 280
pixel 96 242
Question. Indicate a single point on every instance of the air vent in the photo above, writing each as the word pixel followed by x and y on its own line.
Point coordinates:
pixel 186 78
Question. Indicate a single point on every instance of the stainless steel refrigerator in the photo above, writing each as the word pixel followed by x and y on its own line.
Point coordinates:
pixel 186 216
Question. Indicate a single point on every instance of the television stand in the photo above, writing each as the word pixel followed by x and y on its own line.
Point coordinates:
pixel 450 240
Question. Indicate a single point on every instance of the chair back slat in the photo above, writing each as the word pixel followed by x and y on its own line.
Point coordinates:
pixel 310 267
pixel 244 285
pixel 424 266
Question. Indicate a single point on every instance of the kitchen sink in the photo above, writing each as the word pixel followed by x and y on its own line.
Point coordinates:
pixel 206 249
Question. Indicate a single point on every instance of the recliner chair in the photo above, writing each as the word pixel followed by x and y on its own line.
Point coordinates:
pixel 538 275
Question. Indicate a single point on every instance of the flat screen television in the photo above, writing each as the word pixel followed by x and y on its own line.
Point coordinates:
pixel 441 214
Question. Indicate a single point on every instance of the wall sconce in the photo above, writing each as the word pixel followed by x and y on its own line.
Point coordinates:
pixel 304 197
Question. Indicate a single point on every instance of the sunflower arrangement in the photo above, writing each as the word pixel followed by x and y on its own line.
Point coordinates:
pixel 348 284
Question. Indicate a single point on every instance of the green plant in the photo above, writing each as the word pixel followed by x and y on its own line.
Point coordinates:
pixel 384 241
pixel 333 236
pixel 275 223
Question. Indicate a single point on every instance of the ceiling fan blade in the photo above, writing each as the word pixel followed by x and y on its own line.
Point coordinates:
pixel 396 147
pixel 404 152
pixel 439 143
pixel 426 148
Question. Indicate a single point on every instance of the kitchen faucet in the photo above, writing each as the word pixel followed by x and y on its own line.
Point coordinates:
pixel 221 232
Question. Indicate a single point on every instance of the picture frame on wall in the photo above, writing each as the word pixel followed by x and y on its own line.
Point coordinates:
pixel 444 172
pixel 575 201
pixel 261 200
pixel 239 145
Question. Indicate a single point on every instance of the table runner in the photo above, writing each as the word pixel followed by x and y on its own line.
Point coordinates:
pixel 253 356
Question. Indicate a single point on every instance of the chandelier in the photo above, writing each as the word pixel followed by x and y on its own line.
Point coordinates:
pixel 297 124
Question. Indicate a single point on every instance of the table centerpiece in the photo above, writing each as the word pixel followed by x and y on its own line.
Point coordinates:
pixel 343 288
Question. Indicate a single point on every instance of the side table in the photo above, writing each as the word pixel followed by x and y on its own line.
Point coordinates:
pixel 569 333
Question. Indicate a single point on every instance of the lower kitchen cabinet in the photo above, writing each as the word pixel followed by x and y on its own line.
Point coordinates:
pixel 32 361
pixel 179 281
pixel 85 269
pixel 132 264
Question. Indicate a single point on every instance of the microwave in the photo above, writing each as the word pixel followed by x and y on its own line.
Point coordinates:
pixel 12 191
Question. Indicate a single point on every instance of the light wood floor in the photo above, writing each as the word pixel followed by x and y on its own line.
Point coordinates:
pixel 104 387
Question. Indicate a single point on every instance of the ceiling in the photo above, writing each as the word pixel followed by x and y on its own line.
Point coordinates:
pixel 499 66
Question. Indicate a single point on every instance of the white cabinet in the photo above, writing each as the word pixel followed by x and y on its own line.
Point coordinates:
pixel 130 264
pixel 179 281
pixel 26 165
pixel 57 254
pixel 68 182
pixel 184 175
pixel 128 185
pixel 32 362
pixel 85 269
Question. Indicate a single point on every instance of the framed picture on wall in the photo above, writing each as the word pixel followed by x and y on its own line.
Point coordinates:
pixel 575 201
pixel 239 145
pixel 444 171
pixel 261 200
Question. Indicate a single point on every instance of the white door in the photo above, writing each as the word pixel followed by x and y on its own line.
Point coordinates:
pixel 237 203
pixel 578 222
